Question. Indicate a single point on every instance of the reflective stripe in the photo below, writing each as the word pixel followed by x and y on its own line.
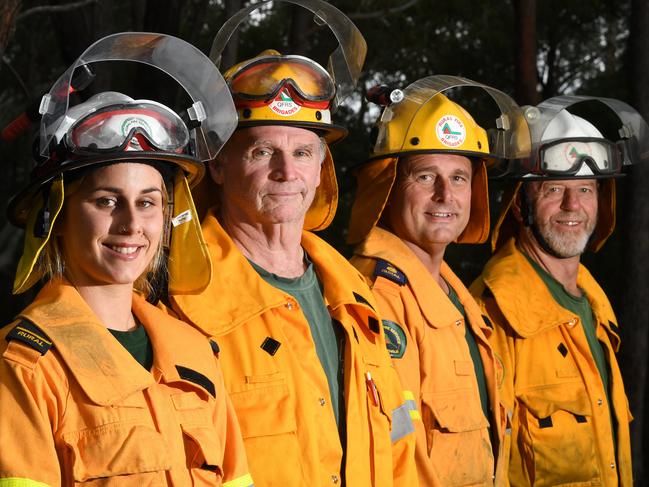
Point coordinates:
pixel 401 423
pixel 414 415
pixel 19 482
pixel 412 405
pixel 245 481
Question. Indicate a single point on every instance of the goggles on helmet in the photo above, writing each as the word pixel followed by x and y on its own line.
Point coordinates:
pixel 568 156
pixel 131 126
pixel 263 78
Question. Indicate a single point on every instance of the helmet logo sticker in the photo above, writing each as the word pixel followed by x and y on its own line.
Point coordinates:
pixel 134 122
pixel 450 131
pixel 284 105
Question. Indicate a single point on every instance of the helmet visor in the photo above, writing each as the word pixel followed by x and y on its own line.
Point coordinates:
pixel 263 78
pixel 568 157
pixel 116 128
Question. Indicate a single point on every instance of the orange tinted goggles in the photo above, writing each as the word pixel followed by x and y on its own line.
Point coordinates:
pixel 263 78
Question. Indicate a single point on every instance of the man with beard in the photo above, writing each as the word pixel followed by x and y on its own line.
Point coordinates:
pixel 554 331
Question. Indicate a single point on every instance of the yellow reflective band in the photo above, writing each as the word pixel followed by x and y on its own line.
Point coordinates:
pixel 414 415
pixel 245 481
pixel 408 396
pixel 20 482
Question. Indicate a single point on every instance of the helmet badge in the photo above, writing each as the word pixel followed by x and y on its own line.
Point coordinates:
pixel 450 131
pixel 284 105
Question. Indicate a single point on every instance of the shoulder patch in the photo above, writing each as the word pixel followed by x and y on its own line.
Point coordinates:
pixel 395 338
pixel 197 378
pixel 385 269
pixel 30 335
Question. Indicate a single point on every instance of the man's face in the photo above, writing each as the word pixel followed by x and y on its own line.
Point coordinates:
pixel 565 213
pixel 430 202
pixel 268 174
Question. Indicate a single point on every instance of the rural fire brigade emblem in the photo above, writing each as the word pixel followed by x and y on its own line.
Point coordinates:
pixel 450 131
pixel 284 105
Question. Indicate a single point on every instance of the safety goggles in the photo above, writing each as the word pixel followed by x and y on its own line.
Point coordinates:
pixel 567 157
pixel 262 79
pixel 141 126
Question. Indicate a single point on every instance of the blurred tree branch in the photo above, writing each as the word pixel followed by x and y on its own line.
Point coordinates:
pixel 382 12
pixel 53 8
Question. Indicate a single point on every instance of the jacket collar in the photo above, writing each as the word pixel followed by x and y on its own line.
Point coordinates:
pixel 237 294
pixel 104 369
pixel 533 310
pixel 434 303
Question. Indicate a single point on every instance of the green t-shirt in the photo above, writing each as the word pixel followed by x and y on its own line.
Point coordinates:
pixel 328 337
pixel 475 354
pixel 580 306
pixel 137 343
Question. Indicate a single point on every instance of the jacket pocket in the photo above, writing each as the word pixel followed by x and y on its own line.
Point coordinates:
pixel 118 454
pixel 204 455
pixel 457 436
pixel 267 418
pixel 556 440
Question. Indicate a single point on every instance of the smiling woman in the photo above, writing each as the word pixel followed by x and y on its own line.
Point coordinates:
pixel 111 388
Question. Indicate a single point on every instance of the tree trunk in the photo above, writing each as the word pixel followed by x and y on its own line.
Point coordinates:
pixel 298 42
pixel 635 312
pixel 525 52
pixel 8 11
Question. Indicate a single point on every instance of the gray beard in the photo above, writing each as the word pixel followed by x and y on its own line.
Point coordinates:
pixel 562 245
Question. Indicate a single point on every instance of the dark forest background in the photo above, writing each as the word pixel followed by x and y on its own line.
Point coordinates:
pixel 530 49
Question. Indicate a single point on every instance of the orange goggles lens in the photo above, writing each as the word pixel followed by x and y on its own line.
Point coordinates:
pixel 264 78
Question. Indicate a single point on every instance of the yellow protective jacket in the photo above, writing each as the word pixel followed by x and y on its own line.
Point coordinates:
pixel 561 427
pixel 426 337
pixel 278 386
pixel 76 408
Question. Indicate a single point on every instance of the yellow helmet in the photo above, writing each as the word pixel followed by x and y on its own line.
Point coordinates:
pixel 290 90
pixel 576 137
pixel 271 89
pixel 421 119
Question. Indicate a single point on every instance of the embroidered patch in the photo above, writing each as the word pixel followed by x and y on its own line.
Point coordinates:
pixel 395 338
pixel 30 335
pixel 385 269
pixel 197 378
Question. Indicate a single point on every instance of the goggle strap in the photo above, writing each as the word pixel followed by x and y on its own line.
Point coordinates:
pixel 43 219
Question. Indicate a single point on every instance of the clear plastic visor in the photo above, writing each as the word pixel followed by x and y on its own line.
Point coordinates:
pixel 345 63
pixel 212 103
pixel 568 156
pixel 263 79
pixel 114 127
pixel 509 135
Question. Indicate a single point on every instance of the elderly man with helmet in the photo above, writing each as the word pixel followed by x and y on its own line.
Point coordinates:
pixel 554 331
pixel 424 187
pixel 97 385
pixel 300 338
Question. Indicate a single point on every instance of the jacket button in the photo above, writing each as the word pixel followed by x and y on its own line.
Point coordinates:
pixel 322 401
pixel 613 465
pixel 289 305
pixel 458 322
pixel 600 402
pixel 572 322
pixel 335 479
